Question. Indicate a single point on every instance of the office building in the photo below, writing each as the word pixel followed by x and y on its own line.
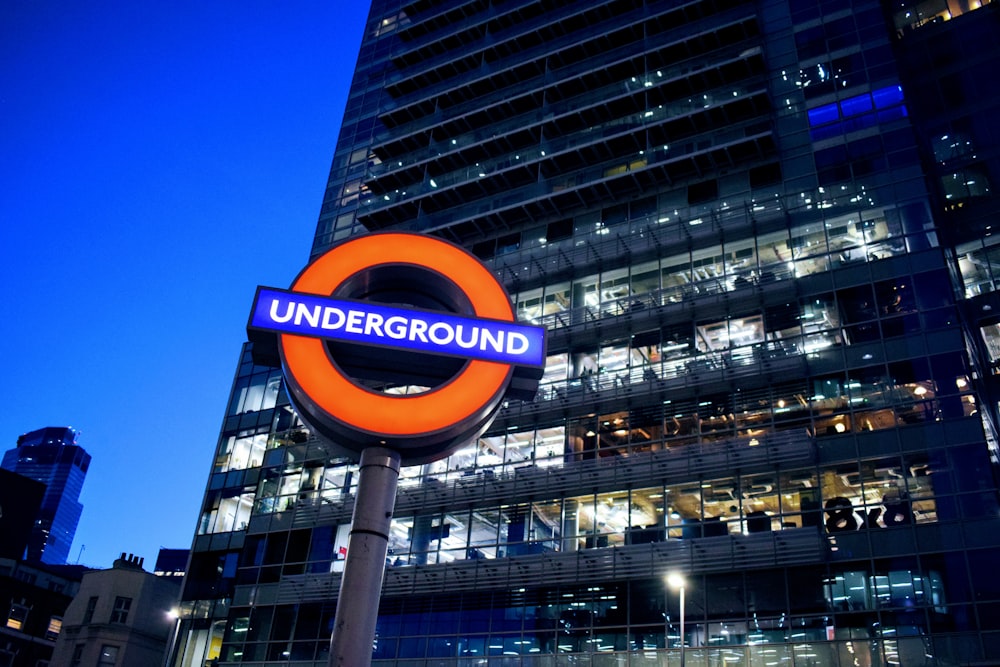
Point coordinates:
pixel 761 237
pixel 51 456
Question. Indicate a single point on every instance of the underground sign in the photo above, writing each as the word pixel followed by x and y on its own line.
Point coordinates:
pixel 404 310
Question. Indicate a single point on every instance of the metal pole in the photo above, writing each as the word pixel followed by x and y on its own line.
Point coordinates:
pixel 361 585
pixel 172 646
pixel 682 626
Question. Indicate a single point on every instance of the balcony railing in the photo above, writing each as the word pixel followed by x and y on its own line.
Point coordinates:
pixel 674 465
pixel 695 556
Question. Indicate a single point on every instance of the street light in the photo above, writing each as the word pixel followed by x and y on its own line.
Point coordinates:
pixel 676 580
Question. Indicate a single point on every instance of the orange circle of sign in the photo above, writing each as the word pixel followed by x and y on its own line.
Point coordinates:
pixel 472 393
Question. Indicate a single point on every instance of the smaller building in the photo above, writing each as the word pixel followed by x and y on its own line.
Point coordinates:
pixel 20 500
pixel 171 563
pixel 120 617
pixel 33 599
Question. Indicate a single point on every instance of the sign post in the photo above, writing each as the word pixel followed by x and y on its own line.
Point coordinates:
pixel 379 311
pixel 361 585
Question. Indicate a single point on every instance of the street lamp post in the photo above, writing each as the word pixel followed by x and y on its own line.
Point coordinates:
pixel 676 580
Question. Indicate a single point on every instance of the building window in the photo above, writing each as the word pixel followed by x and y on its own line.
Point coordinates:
pixel 55 627
pixel 27 577
pixel 88 614
pixel 965 183
pixel 109 654
pixel 120 612
pixel 17 616
pixel 77 658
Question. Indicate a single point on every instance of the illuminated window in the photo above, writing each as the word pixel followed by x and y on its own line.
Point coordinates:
pixel 734 332
pixel 854 113
pixel 991 338
pixel 109 655
pixel 965 183
pixel 827 113
pixel 17 616
pixel 55 627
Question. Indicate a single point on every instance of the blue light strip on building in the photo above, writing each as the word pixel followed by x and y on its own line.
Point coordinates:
pixel 855 113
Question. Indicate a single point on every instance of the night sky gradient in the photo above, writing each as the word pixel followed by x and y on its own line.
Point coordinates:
pixel 158 161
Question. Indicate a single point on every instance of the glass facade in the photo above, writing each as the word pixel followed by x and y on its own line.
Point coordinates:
pixel 760 236
pixel 51 456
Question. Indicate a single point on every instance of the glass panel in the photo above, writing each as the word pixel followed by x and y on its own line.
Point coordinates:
pixel 647 516
pixel 612 517
pixel 529 306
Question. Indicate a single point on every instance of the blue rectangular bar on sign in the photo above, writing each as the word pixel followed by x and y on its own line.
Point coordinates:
pixel 370 323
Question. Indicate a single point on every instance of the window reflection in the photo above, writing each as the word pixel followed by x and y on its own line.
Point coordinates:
pixel 808 248
pixel 241 451
pixel 874 494
pixel 227 510
pixel 751 343
pixel 913 14
pixel 255 393
pixel 858 590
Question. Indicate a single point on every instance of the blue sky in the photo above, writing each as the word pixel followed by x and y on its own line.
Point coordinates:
pixel 158 161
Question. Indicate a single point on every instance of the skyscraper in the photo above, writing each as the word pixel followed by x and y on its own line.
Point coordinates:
pixel 760 234
pixel 51 456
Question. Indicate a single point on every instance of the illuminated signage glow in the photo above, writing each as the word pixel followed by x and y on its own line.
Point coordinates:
pixel 400 328
pixel 341 297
